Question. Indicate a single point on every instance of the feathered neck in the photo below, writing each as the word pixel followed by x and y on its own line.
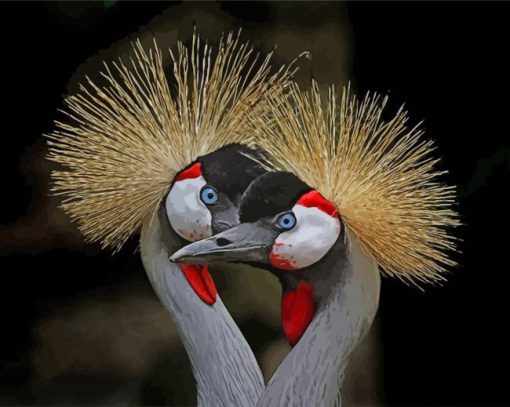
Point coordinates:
pixel 225 369
pixel 347 292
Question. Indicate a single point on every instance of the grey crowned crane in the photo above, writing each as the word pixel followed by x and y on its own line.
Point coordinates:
pixel 143 153
pixel 351 194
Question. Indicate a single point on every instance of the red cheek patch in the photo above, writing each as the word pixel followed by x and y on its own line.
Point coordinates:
pixel 297 309
pixel 200 280
pixel 279 261
pixel 194 171
pixel 314 199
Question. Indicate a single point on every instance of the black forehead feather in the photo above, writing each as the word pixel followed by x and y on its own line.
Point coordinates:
pixel 271 194
pixel 229 170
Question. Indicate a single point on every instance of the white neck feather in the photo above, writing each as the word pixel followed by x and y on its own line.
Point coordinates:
pixel 225 369
pixel 312 373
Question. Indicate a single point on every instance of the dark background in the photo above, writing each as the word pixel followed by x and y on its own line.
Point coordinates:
pixel 447 61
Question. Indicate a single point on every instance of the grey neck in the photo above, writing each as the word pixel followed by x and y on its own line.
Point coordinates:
pixel 347 301
pixel 225 369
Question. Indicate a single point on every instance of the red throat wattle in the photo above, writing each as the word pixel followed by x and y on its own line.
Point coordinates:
pixel 200 280
pixel 298 308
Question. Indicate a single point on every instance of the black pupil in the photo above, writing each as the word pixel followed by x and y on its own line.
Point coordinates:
pixel 286 221
pixel 210 195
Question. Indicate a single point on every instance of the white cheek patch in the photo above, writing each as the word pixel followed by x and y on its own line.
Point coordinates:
pixel 188 215
pixel 312 237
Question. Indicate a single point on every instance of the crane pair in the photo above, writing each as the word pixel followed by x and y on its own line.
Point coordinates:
pixel 228 160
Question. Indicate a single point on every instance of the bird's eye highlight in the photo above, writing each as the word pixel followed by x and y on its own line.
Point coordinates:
pixel 286 221
pixel 209 196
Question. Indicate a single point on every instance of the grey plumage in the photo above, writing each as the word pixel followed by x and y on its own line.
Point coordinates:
pixel 224 367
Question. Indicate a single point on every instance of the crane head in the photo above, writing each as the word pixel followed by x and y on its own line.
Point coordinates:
pixel 203 200
pixel 204 196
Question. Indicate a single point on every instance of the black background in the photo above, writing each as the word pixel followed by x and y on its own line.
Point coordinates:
pixel 447 61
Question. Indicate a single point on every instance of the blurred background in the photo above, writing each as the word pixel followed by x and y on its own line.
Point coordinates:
pixel 80 326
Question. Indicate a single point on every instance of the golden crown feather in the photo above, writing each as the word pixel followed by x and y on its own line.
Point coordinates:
pixel 379 174
pixel 123 143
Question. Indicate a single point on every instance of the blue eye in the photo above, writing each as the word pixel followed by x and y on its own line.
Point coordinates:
pixel 286 221
pixel 209 196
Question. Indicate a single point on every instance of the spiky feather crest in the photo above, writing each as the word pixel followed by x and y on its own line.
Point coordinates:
pixel 124 142
pixel 379 174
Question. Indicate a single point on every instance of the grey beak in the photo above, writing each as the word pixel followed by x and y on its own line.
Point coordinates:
pixel 247 242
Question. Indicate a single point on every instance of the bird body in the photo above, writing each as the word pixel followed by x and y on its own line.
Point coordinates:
pixel 347 193
pixel 138 155
pixel 226 371
pixel 346 292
